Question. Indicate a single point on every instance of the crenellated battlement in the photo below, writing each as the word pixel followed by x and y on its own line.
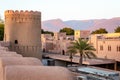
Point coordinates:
pixel 8 12
pixel 22 16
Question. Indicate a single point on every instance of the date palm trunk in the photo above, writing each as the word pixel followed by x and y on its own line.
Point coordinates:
pixel 81 59
pixel 71 57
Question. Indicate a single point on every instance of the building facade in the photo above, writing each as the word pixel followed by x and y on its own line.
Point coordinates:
pixel 47 42
pixel 58 36
pixel 57 43
pixel 83 34
pixel 107 45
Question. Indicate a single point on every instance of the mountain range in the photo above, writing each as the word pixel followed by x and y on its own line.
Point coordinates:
pixel 55 25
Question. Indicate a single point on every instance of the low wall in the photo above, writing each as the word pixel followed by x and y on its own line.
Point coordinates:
pixel 37 73
pixel 8 61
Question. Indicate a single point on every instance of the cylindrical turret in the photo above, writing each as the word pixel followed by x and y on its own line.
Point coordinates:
pixel 23 31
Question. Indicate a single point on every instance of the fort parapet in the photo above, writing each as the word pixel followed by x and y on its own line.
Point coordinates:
pixel 22 16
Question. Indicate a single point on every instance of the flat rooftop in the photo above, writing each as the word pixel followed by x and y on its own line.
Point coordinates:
pixel 97 71
pixel 95 61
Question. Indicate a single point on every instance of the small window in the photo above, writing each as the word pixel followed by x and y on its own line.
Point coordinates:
pixel 117 48
pixel 101 47
pixel 76 33
pixel 16 41
pixel 109 48
pixel 63 52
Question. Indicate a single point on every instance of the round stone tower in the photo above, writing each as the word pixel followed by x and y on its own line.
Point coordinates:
pixel 23 31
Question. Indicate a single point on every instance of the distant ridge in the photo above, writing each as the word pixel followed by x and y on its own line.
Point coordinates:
pixel 53 25
pixel 56 24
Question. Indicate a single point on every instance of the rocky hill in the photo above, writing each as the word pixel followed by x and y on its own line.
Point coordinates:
pixel 56 24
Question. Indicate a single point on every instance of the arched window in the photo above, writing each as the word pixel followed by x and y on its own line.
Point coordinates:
pixel 43 49
pixel 16 41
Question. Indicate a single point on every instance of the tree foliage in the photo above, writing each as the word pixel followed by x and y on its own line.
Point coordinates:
pixel 47 32
pixel 1 31
pixel 117 30
pixel 83 48
pixel 99 31
pixel 69 31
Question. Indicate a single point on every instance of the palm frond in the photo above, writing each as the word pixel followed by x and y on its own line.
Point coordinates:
pixel 71 50
pixel 87 55
pixel 83 47
pixel 90 55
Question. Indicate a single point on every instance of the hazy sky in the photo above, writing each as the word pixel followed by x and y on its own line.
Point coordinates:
pixel 66 9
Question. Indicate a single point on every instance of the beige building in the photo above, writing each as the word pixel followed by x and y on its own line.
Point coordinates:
pixel 47 42
pixel 23 31
pixel 60 46
pixel 83 34
pixel 57 43
pixel 58 36
pixel 60 41
pixel 107 45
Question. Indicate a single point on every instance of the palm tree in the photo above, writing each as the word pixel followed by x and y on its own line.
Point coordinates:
pixel 83 48
pixel 71 51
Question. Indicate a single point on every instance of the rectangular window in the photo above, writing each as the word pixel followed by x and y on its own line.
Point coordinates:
pixel 101 47
pixel 118 48
pixel 109 48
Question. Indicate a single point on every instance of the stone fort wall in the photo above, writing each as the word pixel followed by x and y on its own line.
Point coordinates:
pixel 23 28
